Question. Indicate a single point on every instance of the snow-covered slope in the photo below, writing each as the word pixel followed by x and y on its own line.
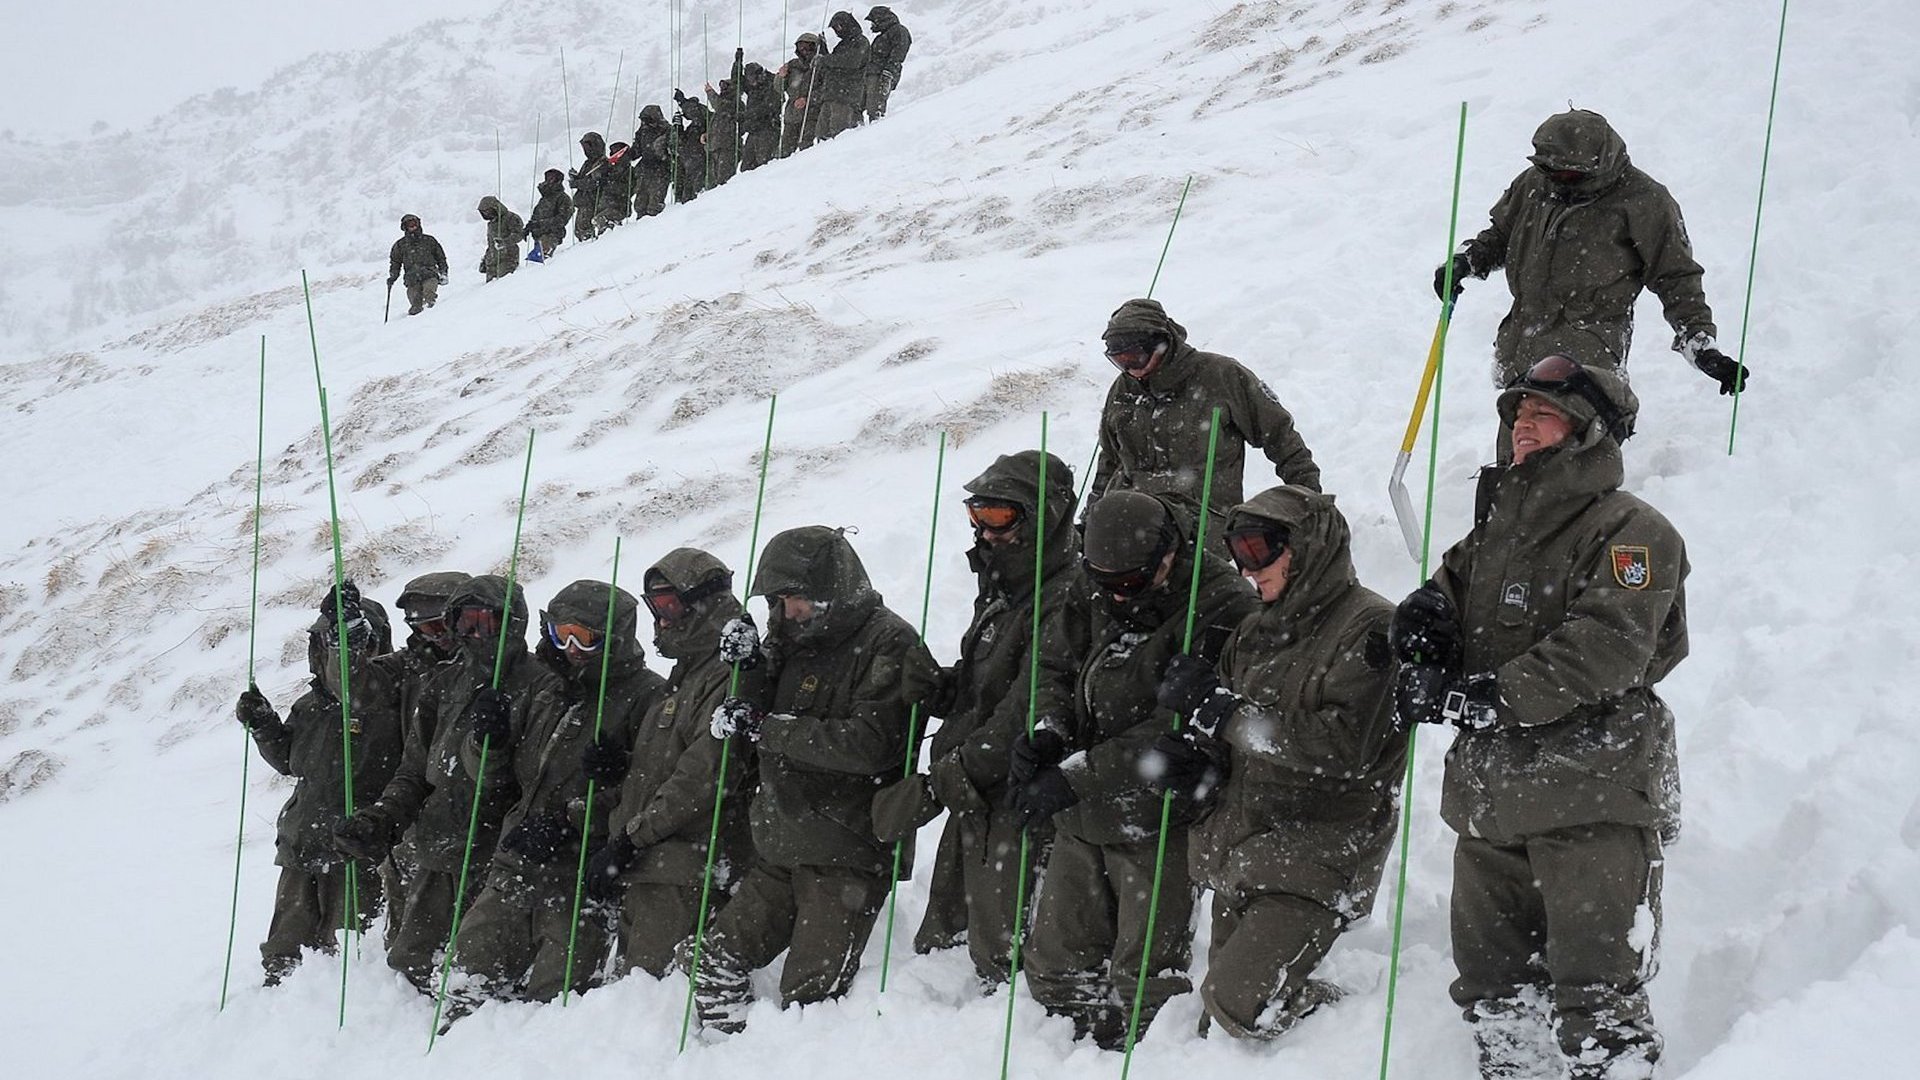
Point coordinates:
pixel 947 270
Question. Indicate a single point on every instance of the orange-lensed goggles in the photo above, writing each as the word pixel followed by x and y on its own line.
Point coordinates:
pixel 570 635
pixel 992 515
pixel 475 622
pixel 1256 547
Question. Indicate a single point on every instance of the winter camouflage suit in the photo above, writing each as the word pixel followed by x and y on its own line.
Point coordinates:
pixel 428 802
pixel 1089 933
pixel 884 59
pixel 843 77
pixel 423 600
pixel 800 78
pixel 424 262
pixel 652 162
pixel 984 707
pixel 1294 849
pixel 664 806
pixel 1153 431
pixel 504 229
pixel 760 120
pixel 309 903
pixel 1569 593
pixel 589 181
pixel 1577 256
pixel 841 691
pixel 514 942
pixel 547 225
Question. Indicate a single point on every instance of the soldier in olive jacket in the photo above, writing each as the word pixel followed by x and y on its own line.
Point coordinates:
pixel 427 806
pixel 760 118
pixel 844 675
pixel 662 779
pixel 843 77
pixel 1580 234
pixel 800 77
pixel 310 902
pixel 547 225
pixel 1153 428
pixel 1541 637
pixel 504 230
pixel 514 943
pixel 1301 706
pixel 1081 768
pixel 985 705
pixel 419 256
pixel 589 185
pixel 884 59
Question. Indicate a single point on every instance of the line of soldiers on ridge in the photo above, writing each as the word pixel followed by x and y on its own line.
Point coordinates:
pixel 750 118
pixel 1274 717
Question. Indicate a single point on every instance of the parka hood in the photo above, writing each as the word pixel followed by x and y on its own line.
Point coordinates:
pixel 585 602
pixel 491 207
pixel 551 187
pixel 1015 478
pixel 323 661
pixel 691 571
pixel 1143 316
pixel 433 590
pixel 490 591
pixel 818 563
pixel 1581 139
pixel 594 145
pixel 1320 539
pixel 651 115
pixel 881 18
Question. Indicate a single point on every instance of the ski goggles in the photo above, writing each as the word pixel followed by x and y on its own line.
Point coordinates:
pixel 475 622
pixel 1131 353
pixel 570 635
pixel 1125 584
pixel 432 626
pixel 993 515
pixel 669 605
pixel 1256 547
pixel 1562 372
pixel 1562 176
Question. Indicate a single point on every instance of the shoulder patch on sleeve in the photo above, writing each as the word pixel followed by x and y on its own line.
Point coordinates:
pixel 1632 566
pixel 1379 655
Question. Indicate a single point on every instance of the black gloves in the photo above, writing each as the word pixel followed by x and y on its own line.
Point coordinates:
pixel 368 834
pixel 739 55
pixel 391 278
pixel 1189 764
pixel 679 98
pixel 1191 687
pixel 1425 629
pixel 740 642
pixel 1462 267
pixel 1041 797
pixel 1042 749
pixel 604 761
pixel 541 838
pixel 490 717
pixel 607 864
pixel 1430 694
pixel 735 716
pixel 1723 369
pixel 254 711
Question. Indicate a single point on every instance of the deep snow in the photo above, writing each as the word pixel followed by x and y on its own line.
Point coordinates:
pixel 949 270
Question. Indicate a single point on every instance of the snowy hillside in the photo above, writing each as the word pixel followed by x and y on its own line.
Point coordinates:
pixel 947 270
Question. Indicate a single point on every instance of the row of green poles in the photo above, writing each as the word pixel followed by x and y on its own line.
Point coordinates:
pixel 726 746
pixel 486 745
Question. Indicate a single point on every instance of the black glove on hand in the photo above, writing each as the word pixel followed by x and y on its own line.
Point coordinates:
pixel 490 717
pixel 740 642
pixel 1430 694
pixel 254 710
pixel 541 838
pixel 604 761
pixel 1188 764
pixel 350 594
pixel 1425 629
pixel 1041 797
pixel 392 279
pixel 1462 267
pixel 368 835
pixel 606 864
pixel 1723 369
pixel 1191 687
pixel 736 716
pixel 1041 750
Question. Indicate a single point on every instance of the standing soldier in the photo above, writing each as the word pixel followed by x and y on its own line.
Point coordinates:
pixel 588 181
pixel 843 78
pixel 800 78
pixel 310 901
pixel 616 186
pixel 1301 711
pixel 428 804
pixel 424 262
pixel 976 874
pixel 653 162
pixel 1541 637
pixel 890 44
pixel 761 119
pixel 662 778
pixel 723 130
pixel 547 225
pixel 513 945
pixel 843 676
pixel 691 126
pixel 504 229
pixel 1081 767
pixel 430 643
pixel 1153 427
pixel 1580 234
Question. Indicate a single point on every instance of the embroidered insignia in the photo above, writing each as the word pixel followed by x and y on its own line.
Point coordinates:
pixel 673 705
pixel 1632 566
pixel 354 726
pixel 1515 594
pixel 810 684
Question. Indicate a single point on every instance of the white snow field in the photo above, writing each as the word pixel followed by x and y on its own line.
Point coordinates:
pixel 948 270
